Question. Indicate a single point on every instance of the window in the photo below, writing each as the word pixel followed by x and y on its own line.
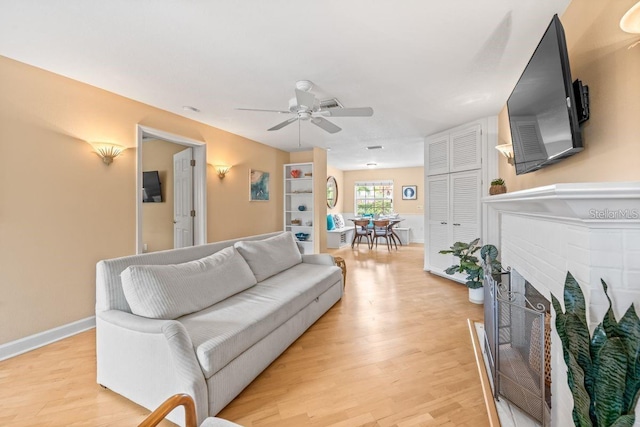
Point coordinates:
pixel 374 197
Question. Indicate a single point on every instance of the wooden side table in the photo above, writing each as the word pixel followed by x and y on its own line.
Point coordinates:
pixel 343 266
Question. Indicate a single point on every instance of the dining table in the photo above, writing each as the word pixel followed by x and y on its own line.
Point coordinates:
pixel 393 221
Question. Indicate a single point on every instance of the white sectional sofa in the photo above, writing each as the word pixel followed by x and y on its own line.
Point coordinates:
pixel 206 320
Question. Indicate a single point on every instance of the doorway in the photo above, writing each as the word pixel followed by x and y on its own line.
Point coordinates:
pixel 198 149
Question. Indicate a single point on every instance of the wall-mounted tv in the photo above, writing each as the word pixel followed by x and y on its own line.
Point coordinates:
pixel 151 188
pixel 543 107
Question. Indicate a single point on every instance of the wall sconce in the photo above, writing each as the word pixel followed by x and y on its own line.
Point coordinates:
pixel 222 170
pixel 630 22
pixel 507 151
pixel 108 151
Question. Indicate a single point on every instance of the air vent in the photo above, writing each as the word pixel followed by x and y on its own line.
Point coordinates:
pixel 330 103
pixel 374 147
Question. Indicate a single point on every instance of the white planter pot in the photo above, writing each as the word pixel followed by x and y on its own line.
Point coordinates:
pixel 476 296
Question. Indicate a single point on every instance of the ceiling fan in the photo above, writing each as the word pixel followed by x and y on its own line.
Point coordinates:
pixel 305 106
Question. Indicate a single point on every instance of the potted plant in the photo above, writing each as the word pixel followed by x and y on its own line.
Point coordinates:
pixel 497 187
pixel 470 264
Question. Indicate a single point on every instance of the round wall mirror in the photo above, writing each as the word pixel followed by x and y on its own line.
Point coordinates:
pixel 332 192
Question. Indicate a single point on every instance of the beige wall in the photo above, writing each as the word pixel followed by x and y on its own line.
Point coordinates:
pixel 399 176
pixel 301 157
pixel 320 198
pixel 62 209
pixel 599 56
pixel 157 218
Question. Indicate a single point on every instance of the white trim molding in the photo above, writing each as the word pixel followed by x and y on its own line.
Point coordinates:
pixel 598 203
pixel 23 345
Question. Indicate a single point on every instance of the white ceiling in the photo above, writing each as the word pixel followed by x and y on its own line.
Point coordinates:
pixel 423 66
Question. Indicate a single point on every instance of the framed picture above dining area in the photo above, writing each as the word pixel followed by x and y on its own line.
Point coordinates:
pixel 409 192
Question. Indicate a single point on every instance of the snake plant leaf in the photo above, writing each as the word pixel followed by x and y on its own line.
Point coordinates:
pixel 609 389
pixel 609 322
pixel 625 421
pixel 561 320
pixel 578 344
pixel 629 331
pixel 573 297
pixel 581 399
pixel 598 340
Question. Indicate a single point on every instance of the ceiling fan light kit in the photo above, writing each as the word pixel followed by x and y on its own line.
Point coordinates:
pixel 306 107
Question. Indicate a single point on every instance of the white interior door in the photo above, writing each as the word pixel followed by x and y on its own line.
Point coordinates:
pixel 439 234
pixel 465 206
pixel 183 213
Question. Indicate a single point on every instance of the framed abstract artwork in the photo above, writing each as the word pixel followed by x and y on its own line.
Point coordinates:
pixel 409 192
pixel 259 185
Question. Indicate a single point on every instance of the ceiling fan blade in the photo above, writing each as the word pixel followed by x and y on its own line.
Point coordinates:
pixel 305 99
pixel 267 111
pixel 348 112
pixel 325 124
pixel 285 123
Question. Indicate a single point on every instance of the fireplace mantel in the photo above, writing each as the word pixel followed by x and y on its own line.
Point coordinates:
pixel 602 203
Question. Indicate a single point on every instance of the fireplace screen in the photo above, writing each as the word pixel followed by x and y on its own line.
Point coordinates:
pixel 517 342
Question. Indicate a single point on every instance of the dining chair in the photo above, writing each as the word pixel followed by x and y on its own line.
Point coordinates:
pixel 382 228
pixel 362 230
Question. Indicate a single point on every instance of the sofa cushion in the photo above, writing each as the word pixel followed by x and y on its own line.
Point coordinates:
pixel 270 256
pixel 338 220
pixel 171 291
pixel 224 331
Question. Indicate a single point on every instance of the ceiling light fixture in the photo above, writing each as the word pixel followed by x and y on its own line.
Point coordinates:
pixel 108 151
pixel 630 22
pixel 190 108
pixel 374 147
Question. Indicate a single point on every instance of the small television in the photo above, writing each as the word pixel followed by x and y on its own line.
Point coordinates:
pixel 151 188
pixel 545 108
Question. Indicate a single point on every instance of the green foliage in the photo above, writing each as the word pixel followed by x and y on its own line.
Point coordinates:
pixel 497 181
pixel 604 369
pixel 470 264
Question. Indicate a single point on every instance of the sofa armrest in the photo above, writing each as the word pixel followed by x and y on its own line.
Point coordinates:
pixel 133 322
pixel 322 259
pixel 147 360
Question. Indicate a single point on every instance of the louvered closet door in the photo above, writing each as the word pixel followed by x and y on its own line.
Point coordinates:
pixel 439 227
pixel 465 149
pixel 465 206
pixel 437 155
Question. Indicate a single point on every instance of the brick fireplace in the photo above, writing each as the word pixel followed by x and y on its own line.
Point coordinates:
pixel 589 229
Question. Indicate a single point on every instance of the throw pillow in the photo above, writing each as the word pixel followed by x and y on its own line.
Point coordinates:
pixel 171 291
pixel 270 256
pixel 330 224
pixel 339 220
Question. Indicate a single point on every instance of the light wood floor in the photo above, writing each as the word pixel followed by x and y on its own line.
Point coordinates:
pixel 394 352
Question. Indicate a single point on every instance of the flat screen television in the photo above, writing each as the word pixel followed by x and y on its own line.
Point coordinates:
pixel 543 108
pixel 151 188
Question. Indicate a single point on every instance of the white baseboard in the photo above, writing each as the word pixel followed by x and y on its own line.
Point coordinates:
pixel 23 345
